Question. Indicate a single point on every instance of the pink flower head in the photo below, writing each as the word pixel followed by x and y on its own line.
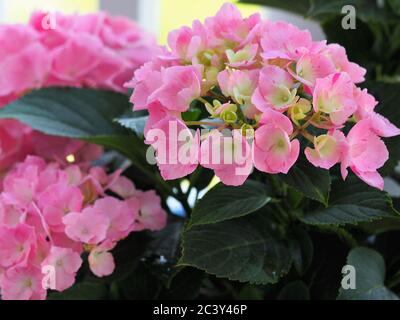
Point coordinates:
pixel 334 95
pixel 275 89
pixel 240 86
pixel 366 153
pixel 180 86
pixel 24 71
pixel 229 157
pixel 328 149
pixel 151 215
pixel 66 263
pixel 87 226
pixel 23 283
pixel 273 152
pixel 176 148
pixel 284 40
pixel 101 261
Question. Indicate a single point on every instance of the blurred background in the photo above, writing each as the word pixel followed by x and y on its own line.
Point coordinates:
pixel 156 16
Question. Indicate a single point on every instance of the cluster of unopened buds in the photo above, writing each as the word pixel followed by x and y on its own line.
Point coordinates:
pixel 94 50
pixel 272 87
pixel 50 215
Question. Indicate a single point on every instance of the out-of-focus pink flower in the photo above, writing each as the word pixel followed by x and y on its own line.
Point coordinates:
pixel 16 245
pixel 87 226
pixel 57 201
pixel 23 283
pixel 66 263
pixel 120 215
pixel 151 215
pixel 101 261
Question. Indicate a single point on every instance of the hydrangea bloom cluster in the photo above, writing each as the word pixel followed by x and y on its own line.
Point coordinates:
pixel 44 53
pixel 50 215
pixel 269 80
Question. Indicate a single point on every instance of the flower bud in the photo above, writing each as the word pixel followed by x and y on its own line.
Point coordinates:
pixel 299 110
pixel 229 116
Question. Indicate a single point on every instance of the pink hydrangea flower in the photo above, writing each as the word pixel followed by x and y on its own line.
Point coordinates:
pixel 339 57
pixel 229 157
pixel 87 226
pixel 181 85
pixel 176 148
pixel 23 283
pixel 66 263
pixel 16 244
pixel 274 89
pixel 334 95
pixel 110 49
pixel 273 150
pixel 57 201
pixel 243 74
pixel 328 149
pixel 151 215
pixel 284 40
pixel 101 261
pixel 240 86
pixel 47 220
pixel 366 153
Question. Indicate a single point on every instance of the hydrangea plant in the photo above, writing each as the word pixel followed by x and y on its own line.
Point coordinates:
pixel 243 160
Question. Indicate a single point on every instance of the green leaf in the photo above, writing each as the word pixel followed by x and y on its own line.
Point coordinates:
pixel 82 291
pixel 301 249
pixel 83 114
pixel 314 183
pixel 352 201
pixel 185 285
pixel 296 290
pixel 134 120
pixel 370 277
pixel 245 249
pixel 225 202
pixel 366 10
pixel 140 284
